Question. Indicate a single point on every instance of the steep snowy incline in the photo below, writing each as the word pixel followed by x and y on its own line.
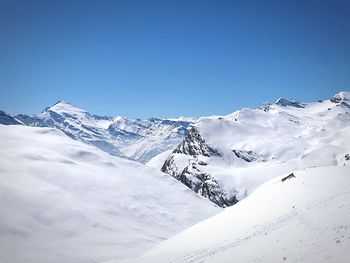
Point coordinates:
pixel 134 139
pixel 65 201
pixel 303 217
pixel 251 146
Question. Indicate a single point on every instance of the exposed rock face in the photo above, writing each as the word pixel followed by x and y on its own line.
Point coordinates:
pixel 205 185
pixel 341 99
pixel 248 156
pixel 347 157
pixel 288 102
pixel 265 106
pixel 194 146
pixel 337 98
pixel 7 119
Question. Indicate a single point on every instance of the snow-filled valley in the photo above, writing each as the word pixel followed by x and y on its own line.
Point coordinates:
pixel 78 187
pixel 64 201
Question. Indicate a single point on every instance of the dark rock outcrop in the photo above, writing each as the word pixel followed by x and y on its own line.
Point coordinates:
pixel 191 175
pixel 290 176
pixel 291 103
pixel 336 98
pixel 248 156
pixel 347 157
pixel 194 144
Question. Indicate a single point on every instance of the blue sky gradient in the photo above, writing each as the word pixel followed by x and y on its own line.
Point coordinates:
pixel 170 58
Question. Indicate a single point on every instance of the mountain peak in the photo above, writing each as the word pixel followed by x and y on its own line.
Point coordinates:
pixel 63 107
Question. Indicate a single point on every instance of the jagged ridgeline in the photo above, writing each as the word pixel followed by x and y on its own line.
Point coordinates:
pixel 224 158
pixel 194 147
pixel 135 139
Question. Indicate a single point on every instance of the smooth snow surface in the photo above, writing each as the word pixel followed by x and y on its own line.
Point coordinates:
pixel 303 219
pixel 158 160
pixel 65 201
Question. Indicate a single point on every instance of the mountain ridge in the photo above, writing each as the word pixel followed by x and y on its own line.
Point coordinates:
pixel 209 153
pixel 255 145
pixel 133 139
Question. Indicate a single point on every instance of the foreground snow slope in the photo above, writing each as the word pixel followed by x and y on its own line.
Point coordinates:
pixel 65 201
pixel 301 219
pixel 226 158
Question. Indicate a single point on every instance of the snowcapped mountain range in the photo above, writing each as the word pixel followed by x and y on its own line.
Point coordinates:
pixel 225 158
pixel 219 157
pixel 112 187
pixel 137 139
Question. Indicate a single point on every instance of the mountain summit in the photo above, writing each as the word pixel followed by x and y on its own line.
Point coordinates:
pixel 134 139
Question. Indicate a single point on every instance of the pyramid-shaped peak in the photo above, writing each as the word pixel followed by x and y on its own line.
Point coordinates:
pixel 63 107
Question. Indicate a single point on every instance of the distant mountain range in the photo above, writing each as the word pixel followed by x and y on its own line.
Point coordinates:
pixel 223 158
pixel 135 139
pixel 77 187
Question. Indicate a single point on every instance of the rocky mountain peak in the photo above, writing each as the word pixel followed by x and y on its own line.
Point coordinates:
pixel 342 98
pixel 194 144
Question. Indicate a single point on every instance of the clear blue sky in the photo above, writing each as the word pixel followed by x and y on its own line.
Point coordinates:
pixel 170 58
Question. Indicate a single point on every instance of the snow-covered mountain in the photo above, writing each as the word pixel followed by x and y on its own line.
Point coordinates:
pixel 134 139
pixel 60 195
pixel 64 201
pixel 299 217
pixel 224 158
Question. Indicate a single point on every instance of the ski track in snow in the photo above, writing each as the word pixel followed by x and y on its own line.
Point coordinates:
pixel 303 219
pixel 274 224
pixel 258 230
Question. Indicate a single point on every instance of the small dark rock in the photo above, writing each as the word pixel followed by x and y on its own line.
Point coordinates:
pixel 290 176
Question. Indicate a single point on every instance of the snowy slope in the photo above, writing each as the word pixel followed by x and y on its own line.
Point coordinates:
pixel 134 139
pixel 157 161
pixel 301 219
pixel 65 201
pixel 141 140
pixel 225 158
